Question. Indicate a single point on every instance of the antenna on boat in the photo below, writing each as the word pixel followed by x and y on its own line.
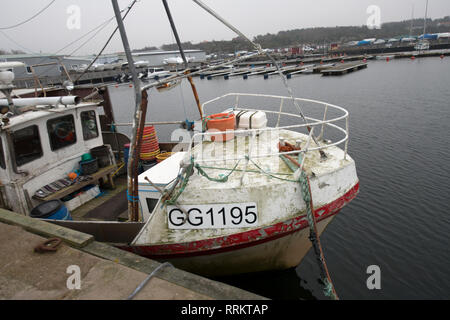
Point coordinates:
pixel 183 56
pixel 138 122
pixel 261 51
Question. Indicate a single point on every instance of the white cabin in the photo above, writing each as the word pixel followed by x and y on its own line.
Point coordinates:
pixel 43 145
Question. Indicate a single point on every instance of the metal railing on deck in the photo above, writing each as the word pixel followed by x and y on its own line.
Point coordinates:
pixel 310 124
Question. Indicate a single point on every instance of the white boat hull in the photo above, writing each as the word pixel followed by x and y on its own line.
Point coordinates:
pixel 279 240
pixel 278 254
pixel 276 247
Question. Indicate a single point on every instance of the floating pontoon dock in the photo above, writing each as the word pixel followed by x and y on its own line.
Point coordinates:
pixel 344 68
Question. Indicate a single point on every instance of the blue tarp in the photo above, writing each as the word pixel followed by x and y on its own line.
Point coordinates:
pixel 363 43
pixel 433 36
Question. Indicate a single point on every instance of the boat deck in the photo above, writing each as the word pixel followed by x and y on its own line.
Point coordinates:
pixel 111 206
pixel 277 194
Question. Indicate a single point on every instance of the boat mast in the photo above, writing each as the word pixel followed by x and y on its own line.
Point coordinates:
pixel 183 56
pixel 138 123
pixel 412 21
pixel 425 21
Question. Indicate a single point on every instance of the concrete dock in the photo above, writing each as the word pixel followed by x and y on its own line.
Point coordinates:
pixel 105 272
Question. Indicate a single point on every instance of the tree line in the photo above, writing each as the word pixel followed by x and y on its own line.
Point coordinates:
pixel 319 36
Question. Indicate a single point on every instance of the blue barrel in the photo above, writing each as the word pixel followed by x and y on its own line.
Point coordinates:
pixel 53 209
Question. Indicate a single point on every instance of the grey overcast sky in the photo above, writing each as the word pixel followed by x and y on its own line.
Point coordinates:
pixel 147 23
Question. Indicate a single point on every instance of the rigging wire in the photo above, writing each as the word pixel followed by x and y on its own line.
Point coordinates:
pixel 101 27
pixel 16 43
pixel 29 19
pixel 108 41
pixel 261 51
pixel 90 38
pixel 69 44
pixel 84 35
pixel 74 41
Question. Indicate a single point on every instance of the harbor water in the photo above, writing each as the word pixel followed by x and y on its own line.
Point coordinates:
pixel 400 140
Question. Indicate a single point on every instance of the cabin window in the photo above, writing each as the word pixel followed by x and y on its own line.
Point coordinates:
pixel 89 124
pixel 2 156
pixel 61 132
pixel 29 70
pixel 27 145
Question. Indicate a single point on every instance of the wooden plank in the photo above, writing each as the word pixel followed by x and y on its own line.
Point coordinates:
pixel 37 226
pixel 102 173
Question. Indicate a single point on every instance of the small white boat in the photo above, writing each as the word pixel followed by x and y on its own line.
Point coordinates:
pixel 422 45
pixel 112 66
pixel 157 73
pixel 98 67
pixel 141 64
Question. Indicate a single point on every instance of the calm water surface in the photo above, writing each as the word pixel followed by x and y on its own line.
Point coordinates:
pixel 400 140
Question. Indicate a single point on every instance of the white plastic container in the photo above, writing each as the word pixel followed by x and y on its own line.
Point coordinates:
pixel 72 204
pixel 250 119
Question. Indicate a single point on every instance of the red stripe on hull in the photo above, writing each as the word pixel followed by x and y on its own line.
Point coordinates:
pixel 244 239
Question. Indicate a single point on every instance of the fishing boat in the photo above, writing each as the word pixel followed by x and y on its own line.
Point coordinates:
pixel 243 193
pixel 253 220
pixel 422 45
pixel 245 209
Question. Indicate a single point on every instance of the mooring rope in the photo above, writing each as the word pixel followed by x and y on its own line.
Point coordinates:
pixel 147 279
pixel 305 185
pixel 314 237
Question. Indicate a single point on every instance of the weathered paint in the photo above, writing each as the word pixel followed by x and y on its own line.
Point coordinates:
pixel 281 238
pixel 244 239
pixel 277 200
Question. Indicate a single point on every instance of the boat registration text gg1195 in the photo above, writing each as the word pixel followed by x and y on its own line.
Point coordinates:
pixel 213 216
